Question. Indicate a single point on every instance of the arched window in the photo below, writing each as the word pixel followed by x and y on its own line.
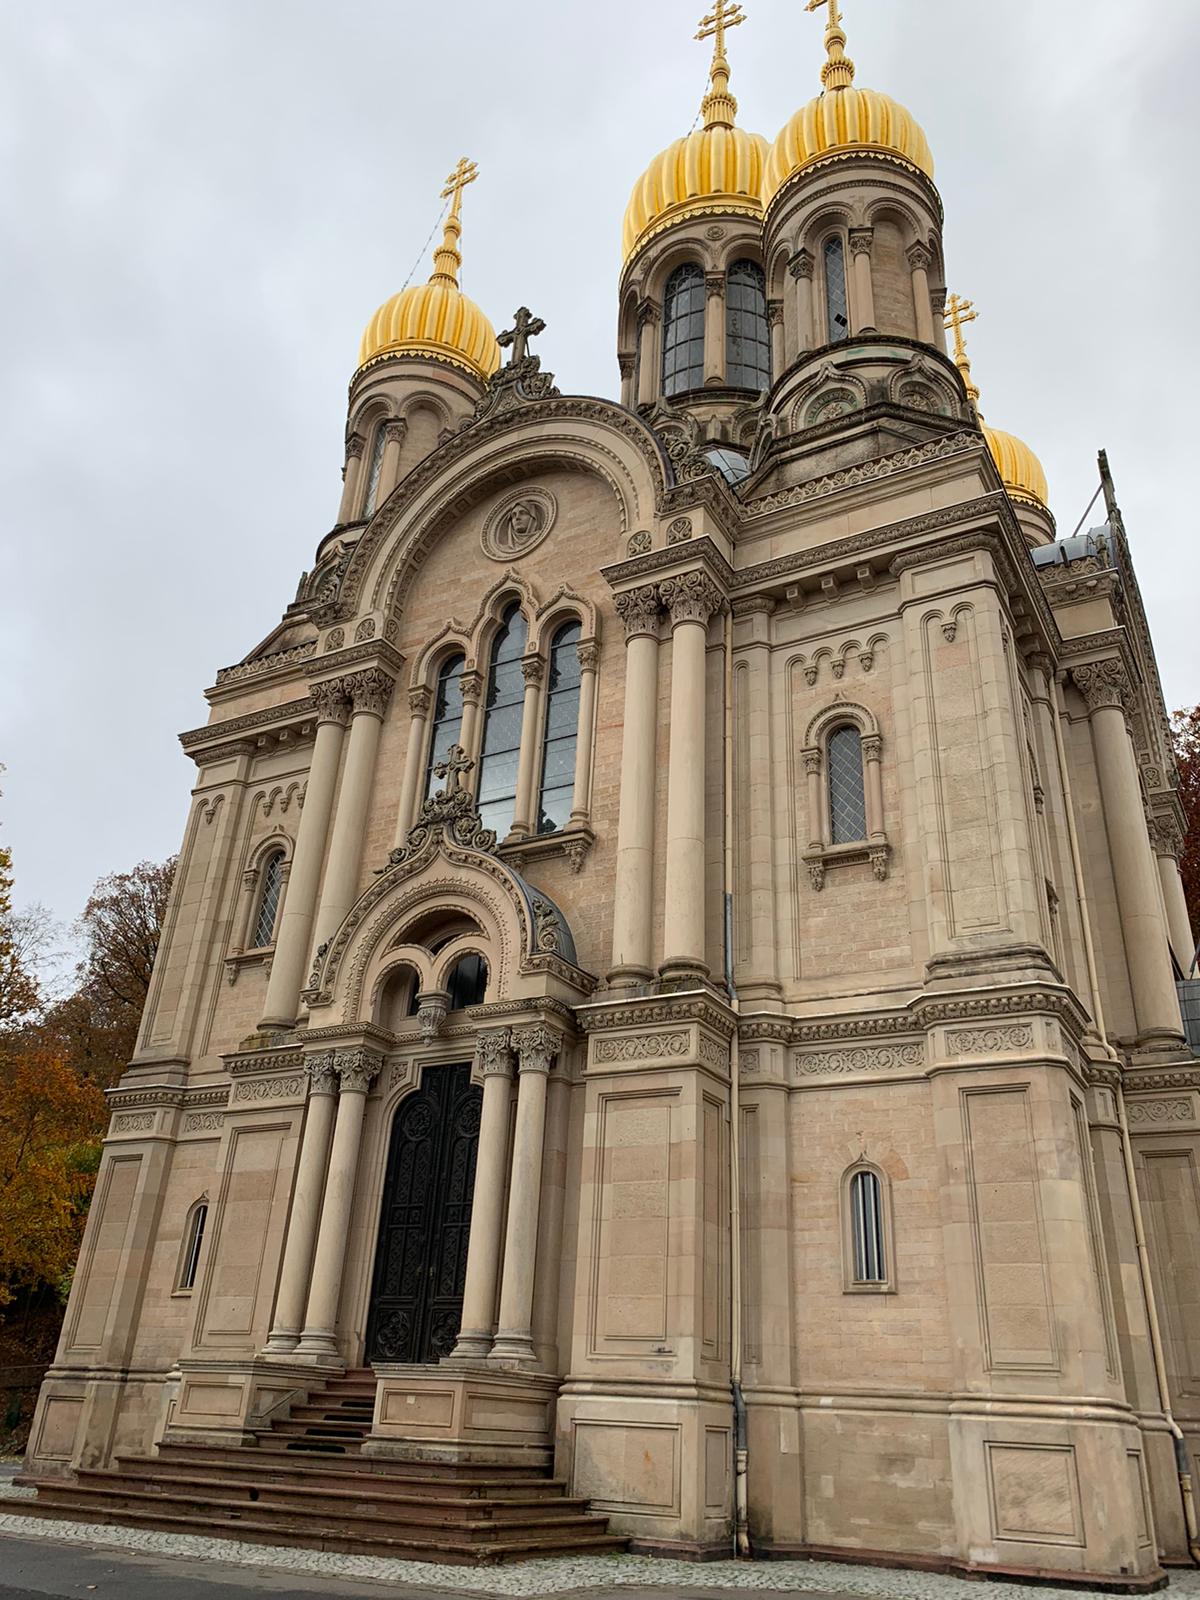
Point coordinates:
pixel 683 330
pixel 192 1240
pixel 447 718
pixel 747 338
pixel 501 747
pixel 847 800
pixel 371 496
pixel 868 1255
pixel 562 731
pixel 467 982
pixel 837 315
pixel 268 899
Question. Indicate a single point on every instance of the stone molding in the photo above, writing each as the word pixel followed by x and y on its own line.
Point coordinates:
pixel 869 472
pixel 905 1057
pixel 255 1090
pixel 700 551
pixel 680 1006
pixel 165 1095
pixel 989 1041
pixel 298 714
pixel 281 660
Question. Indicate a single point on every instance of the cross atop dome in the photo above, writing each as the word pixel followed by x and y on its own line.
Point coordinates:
pixel 719 106
pixel 959 313
pixel 838 71
pixel 446 258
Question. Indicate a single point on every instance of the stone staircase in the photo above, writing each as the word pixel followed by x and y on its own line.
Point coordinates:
pixel 308 1485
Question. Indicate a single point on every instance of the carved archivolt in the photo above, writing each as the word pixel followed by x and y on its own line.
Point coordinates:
pixel 840 711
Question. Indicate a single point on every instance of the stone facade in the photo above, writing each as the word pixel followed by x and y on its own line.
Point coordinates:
pixel 880 1182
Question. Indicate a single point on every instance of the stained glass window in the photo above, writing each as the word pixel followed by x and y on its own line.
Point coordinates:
pixel 191 1254
pixel 866 1228
pixel 501 751
pixel 562 731
pixel 847 802
pixel 747 338
pixel 447 719
pixel 837 315
pixel 268 900
pixel 372 494
pixel 683 330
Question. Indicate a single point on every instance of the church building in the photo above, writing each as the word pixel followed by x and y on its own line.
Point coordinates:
pixel 669 999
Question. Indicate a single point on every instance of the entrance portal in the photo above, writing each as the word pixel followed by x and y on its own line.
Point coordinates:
pixel 421 1258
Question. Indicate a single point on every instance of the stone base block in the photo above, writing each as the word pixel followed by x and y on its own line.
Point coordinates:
pixel 86 1419
pixel 227 1402
pixel 660 1467
pixel 463 1411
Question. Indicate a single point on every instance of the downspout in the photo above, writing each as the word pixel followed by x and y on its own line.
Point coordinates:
pixel 1183 1466
pixel 741 1441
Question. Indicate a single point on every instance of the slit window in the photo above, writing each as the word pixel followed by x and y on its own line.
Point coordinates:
pixel 370 499
pixel 562 731
pixel 268 900
pixel 837 313
pixel 191 1250
pixel 866 1228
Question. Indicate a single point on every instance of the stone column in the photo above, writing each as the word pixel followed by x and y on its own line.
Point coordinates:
pixel 356 1070
pixel 939 319
pixel 714 328
pixel 472 698
pixel 691 600
pixel 864 290
pixel 533 669
pixel 589 660
pixel 920 259
pixel 801 268
pixel 351 473
pixel 247 904
pixel 420 702
pixel 369 692
pixel 389 467
pixel 633 886
pixel 306 1205
pixel 775 323
pixel 487 1206
pixel 628 367
pixel 872 753
pixel 1167 846
pixel 649 360
pixel 754 832
pixel 1105 688
pixel 289 968
pixel 536 1048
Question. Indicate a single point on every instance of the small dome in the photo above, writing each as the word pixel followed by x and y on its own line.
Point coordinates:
pixel 1019 468
pixel 717 169
pixel 842 122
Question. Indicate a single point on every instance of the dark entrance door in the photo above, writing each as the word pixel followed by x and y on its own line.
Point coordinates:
pixel 421 1258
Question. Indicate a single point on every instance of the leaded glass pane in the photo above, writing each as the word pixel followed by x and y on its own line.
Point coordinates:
pixel 562 728
pixel 847 802
pixel 503 716
pixel 866 1224
pixel 555 810
pixel 268 904
pixel 747 337
pixel 447 719
pixel 837 314
pixel 376 468
pixel 683 330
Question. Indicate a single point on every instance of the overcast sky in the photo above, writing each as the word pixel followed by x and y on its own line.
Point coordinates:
pixel 203 203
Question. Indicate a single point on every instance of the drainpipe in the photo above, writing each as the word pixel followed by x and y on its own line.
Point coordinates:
pixel 1183 1465
pixel 741 1441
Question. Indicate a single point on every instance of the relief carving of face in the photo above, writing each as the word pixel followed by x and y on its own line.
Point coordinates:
pixel 518 526
pixel 521 520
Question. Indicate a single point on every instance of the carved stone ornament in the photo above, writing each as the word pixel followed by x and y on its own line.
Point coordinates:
pixel 322 1073
pixel 639 610
pixel 714 285
pixel 872 746
pixel 357 1070
pixel 518 384
pixel 365 630
pixel 536 1046
pixel 879 862
pixel 1103 684
pixel 920 257
pixel 335 639
pixel 518 524
pixel 355 445
pixel 331 701
pixel 860 241
pixel 679 530
pixel 370 691
pixel 420 701
pixel 451 811
pixel 431 1013
pixel 494 1051
pixel 816 873
pixel 589 655
pixel 812 761
pixel 545 925
pixel 638 544
pixel 801 265
pixel 715 233
pixel 692 597
pixel 533 669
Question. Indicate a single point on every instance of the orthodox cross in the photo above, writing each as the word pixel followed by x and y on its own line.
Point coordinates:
pixel 464 173
pixel 527 327
pixel 958 313
pixel 835 16
pixel 454 768
pixel 725 14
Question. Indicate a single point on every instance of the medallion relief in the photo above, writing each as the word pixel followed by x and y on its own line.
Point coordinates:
pixel 518 524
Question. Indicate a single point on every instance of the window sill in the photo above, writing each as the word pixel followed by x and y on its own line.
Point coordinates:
pixel 239 960
pixel 824 858
pixel 574 842
pixel 869 1288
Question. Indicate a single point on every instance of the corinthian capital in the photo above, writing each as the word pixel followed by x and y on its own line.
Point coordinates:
pixel 860 241
pixel 536 1046
pixel 494 1049
pixel 394 431
pixel 1103 684
pixel 920 257
pixel 639 609
pixel 322 1073
pixel 331 701
pixel 370 690
pixel 354 446
pixel 801 265
pixel 533 669
pixel 714 285
pixel 357 1070
pixel 692 597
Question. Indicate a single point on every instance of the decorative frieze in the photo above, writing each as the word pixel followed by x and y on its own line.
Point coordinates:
pixel 866 1059
pixel 643 1047
pixel 204 1122
pixel 989 1041
pixel 134 1122
pixel 1159 1113
pixel 257 1090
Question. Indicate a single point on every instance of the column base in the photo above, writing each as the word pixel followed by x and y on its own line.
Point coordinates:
pixel 281 1343
pixel 474 1346
pixel 683 972
pixel 629 977
pixel 317 1344
pixel 513 1350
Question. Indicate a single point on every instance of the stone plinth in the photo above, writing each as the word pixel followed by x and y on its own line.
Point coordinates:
pixel 228 1402
pixel 463 1411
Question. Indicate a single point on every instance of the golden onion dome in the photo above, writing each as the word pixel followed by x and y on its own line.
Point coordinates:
pixel 716 168
pixel 1020 470
pixel 843 120
pixel 436 319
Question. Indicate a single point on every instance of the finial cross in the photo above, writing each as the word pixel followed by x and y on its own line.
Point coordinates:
pixel 464 173
pixel 724 15
pixel 835 15
pixel 527 327
pixel 958 313
pixel 455 767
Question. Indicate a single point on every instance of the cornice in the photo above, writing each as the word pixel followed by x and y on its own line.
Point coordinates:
pixel 166 1095
pixel 700 552
pixel 242 1064
pixel 283 664
pixel 835 158
pixel 293 712
pixel 601 1016
pixel 370 653
pixel 941 449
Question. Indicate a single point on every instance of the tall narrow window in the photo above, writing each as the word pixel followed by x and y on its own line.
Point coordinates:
pixel 847 800
pixel 192 1243
pixel 467 982
pixel 562 731
pixel 501 748
pixel 447 718
pixel 372 495
pixel 747 338
pixel 268 899
pixel 683 330
pixel 866 1228
pixel 837 316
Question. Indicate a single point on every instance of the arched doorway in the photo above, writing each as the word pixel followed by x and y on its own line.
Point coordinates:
pixel 421 1256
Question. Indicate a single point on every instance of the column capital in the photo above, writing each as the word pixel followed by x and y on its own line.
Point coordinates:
pixel 1103 684
pixel 812 760
pixel 420 701
pixel 714 286
pixel 355 445
pixel 533 669
pixel 322 1073
pixel 357 1070
pixel 639 610
pixel 691 597
pixel 1165 837
pixel 536 1046
pixel 331 700
pixel 493 1047
pixel 872 746
pixel 370 691
pixel 648 314
pixel 589 655
pixel 920 257
pixel 802 264
pixel 471 686
pixel 395 430
pixel 860 241
pixel 774 313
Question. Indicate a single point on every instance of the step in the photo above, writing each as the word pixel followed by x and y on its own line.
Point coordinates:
pixel 424 1478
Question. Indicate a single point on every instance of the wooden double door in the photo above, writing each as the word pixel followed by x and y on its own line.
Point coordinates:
pixel 421 1256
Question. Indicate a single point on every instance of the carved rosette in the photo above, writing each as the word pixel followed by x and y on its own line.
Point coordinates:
pixel 1103 685
pixel 331 701
pixel 357 1070
pixel 639 610
pixel 536 1047
pixel 322 1073
pixel 370 691
pixel 495 1054
pixel 692 597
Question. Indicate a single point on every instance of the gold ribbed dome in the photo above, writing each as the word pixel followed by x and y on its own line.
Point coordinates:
pixel 435 318
pixel 718 168
pixel 1019 468
pixel 843 120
